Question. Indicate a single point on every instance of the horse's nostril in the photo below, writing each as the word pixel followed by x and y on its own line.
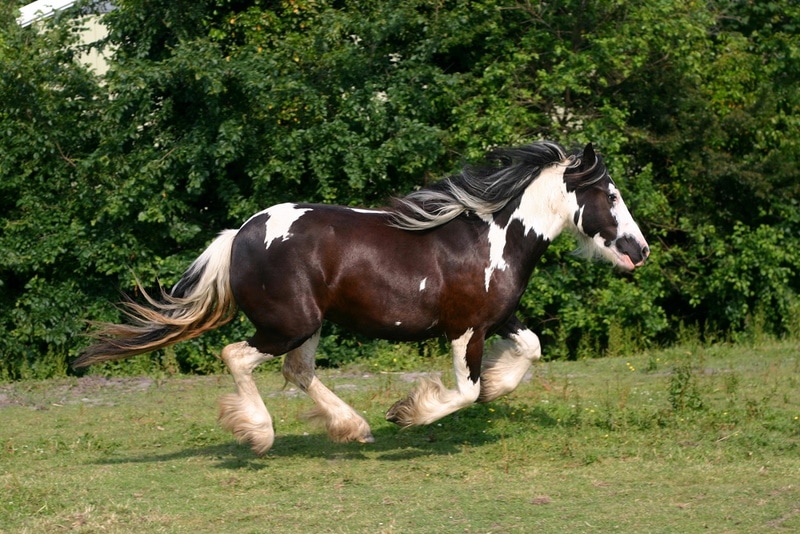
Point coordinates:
pixel 645 251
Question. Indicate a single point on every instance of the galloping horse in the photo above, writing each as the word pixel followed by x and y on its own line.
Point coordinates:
pixel 448 260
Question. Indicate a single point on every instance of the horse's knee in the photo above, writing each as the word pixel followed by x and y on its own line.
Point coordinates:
pixel 507 362
pixel 229 352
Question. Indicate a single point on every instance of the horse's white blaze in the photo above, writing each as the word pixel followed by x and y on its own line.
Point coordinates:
pixel 422 284
pixel 497 244
pixel 627 226
pixel 280 221
pixel 545 206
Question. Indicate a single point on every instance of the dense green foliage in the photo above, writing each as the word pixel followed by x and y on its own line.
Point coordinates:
pixel 214 109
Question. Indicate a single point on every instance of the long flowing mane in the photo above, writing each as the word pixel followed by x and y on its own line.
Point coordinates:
pixel 482 190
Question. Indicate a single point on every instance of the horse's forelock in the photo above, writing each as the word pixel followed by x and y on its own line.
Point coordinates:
pixel 579 176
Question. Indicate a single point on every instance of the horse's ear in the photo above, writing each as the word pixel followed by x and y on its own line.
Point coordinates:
pixel 589 157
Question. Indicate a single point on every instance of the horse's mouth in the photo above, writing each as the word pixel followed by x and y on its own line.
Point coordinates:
pixel 630 252
pixel 625 262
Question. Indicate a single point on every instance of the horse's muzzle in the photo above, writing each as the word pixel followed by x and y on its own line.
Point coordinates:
pixel 636 249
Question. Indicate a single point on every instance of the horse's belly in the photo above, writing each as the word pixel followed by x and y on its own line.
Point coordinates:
pixel 395 321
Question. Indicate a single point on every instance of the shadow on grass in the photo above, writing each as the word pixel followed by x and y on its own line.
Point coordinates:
pixel 448 437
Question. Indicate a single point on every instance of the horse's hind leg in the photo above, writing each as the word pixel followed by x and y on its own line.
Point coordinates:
pixel 244 412
pixel 507 360
pixel 340 420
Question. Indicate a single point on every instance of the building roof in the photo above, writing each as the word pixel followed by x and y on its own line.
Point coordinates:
pixel 42 9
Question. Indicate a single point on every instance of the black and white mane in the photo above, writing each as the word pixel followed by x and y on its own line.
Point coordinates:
pixel 486 189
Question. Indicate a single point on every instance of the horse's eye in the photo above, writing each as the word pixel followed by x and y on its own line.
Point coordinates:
pixel 612 198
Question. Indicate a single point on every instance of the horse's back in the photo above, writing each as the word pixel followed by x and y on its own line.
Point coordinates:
pixel 295 264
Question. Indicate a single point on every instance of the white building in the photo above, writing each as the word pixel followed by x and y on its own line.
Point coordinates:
pixel 95 30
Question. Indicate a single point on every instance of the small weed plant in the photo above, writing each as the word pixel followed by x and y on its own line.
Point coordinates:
pixel 684 393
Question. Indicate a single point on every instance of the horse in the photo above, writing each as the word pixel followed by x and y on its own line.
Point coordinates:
pixel 448 260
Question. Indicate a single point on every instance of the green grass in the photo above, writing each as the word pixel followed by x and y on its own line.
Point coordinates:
pixel 683 440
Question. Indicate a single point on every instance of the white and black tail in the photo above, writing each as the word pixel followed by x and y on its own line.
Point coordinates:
pixel 199 302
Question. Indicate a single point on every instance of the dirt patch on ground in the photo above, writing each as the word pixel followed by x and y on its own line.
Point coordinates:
pixel 102 391
pixel 90 390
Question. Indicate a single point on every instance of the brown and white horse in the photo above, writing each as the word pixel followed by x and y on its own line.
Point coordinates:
pixel 450 260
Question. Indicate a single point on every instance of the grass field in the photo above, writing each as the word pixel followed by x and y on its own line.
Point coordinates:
pixel 684 440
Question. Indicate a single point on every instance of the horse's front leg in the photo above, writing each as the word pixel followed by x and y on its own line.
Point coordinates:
pixel 507 360
pixel 431 401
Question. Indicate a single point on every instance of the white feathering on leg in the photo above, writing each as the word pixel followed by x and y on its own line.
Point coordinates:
pixel 506 363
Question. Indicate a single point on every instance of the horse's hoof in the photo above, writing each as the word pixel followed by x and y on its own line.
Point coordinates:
pixel 399 413
pixel 391 414
pixel 369 438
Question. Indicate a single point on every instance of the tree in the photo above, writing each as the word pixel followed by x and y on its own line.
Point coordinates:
pixel 214 109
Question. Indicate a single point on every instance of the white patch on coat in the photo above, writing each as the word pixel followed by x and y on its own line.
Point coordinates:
pixel 281 219
pixel 579 223
pixel 398 323
pixel 624 218
pixel 368 211
pixel 422 284
pixel 497 244
pixel 546 207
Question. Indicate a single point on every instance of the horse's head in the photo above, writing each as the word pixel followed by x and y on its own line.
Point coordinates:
pixel 603 222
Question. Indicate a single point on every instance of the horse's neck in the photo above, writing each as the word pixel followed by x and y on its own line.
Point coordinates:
pixel 521 232
pixel 545 207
